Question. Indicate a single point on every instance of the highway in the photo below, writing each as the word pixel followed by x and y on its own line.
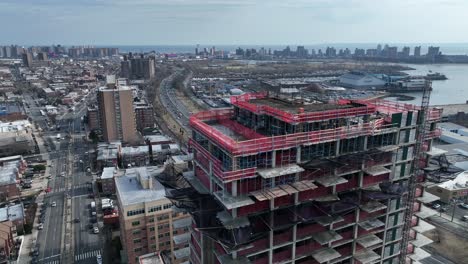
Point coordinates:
pixel 169 100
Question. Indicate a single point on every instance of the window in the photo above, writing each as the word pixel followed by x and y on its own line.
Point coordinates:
pixel 175 232
pixel 135 223
pixel 137 249
pixel 166 226
pixel 161 235
pixel 153 238
pixel 136 232
pixel 167 206
pixel 161 244
pixel 136 212
pixel 155 208
pixel 167 234
pixel 153 246
pixel 168 243
pixel 160 227
pixel 151 220
pixel 163 217
pixel 151 228
pixel 136 241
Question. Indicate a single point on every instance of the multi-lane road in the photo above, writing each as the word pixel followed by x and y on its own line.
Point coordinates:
pixel 70 188
pixel 169 100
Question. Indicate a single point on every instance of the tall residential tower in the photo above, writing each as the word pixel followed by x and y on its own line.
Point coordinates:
pixel 283 181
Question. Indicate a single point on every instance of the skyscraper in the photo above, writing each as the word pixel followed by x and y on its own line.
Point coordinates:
pixel 417 51
pixel 116 113
pixel 142 67
pixel 27 59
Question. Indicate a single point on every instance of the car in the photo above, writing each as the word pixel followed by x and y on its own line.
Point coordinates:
pixel 99 258
pixel 463 205
pixel 93 213
pixel 464 218
pixel 40 226
pixel 53 204
pixel 436 206
pixel 96 230
pixel 76 220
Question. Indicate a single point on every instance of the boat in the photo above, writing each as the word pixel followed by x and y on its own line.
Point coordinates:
pixel 435 76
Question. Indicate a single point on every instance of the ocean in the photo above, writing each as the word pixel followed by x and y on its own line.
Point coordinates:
pixel 454 90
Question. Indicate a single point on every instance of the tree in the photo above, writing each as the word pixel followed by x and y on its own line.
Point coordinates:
pixel 93 136
pixel 39 167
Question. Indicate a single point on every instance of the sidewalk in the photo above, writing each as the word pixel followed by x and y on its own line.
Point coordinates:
pixel 29 241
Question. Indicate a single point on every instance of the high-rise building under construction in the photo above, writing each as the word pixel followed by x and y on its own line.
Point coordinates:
pixel 282 181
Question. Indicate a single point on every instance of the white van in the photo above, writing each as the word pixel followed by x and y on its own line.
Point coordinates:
pixel 464 218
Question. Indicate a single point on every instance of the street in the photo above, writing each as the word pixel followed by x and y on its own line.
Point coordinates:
pixel 68 183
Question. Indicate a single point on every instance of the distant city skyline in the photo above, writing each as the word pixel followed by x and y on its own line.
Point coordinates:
pixel 233 22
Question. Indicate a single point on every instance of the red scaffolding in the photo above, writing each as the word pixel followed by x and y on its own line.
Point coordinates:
pixel 243 101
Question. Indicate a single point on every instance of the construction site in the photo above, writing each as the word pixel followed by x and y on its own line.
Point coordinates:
pixel 279 180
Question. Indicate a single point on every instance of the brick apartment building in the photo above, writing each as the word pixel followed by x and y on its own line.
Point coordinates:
pixel 147 221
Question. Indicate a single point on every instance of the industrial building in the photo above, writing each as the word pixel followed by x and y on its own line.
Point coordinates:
pixel 281 181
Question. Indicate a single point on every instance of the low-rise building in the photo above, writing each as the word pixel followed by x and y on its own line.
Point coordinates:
pixel 11 170
pixel 456 189
pixel 107 155
pixel 360 80
pixel 7 241
pixel 13 214
pixel 144 116
pixel 134 156
pixel 107 180
pixel 147 220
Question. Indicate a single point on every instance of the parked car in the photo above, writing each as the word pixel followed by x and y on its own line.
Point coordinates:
pixel 96 230
pixel 53 204
pixel 99 258
pixel 436 206
pixel 464 218
pixel 463 205
pixel 40 226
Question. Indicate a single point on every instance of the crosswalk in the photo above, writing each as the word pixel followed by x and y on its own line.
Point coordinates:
pixel 52 262
pixel 80 187
pixel 87 255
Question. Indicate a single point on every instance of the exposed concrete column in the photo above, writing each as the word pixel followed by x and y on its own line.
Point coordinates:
pixel 294 244
pixel 337 150
pixel 210 172
pixel 273 159
pixel 298 154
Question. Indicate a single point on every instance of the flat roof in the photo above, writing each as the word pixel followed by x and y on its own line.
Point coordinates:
pixel 293 106
pixel 108 173
pixel 151 258
pixel 460 182
pixel 131 191
pixel 12 213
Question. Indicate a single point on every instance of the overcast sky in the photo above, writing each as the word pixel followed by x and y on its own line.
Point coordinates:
pixel 263 22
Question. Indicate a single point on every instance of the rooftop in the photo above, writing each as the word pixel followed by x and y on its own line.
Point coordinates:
pixel 151 258
pixel 107 173
pixel 12 213
pixel 460 182
pixel 131 186
pixel 8 172
pixel 294 106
